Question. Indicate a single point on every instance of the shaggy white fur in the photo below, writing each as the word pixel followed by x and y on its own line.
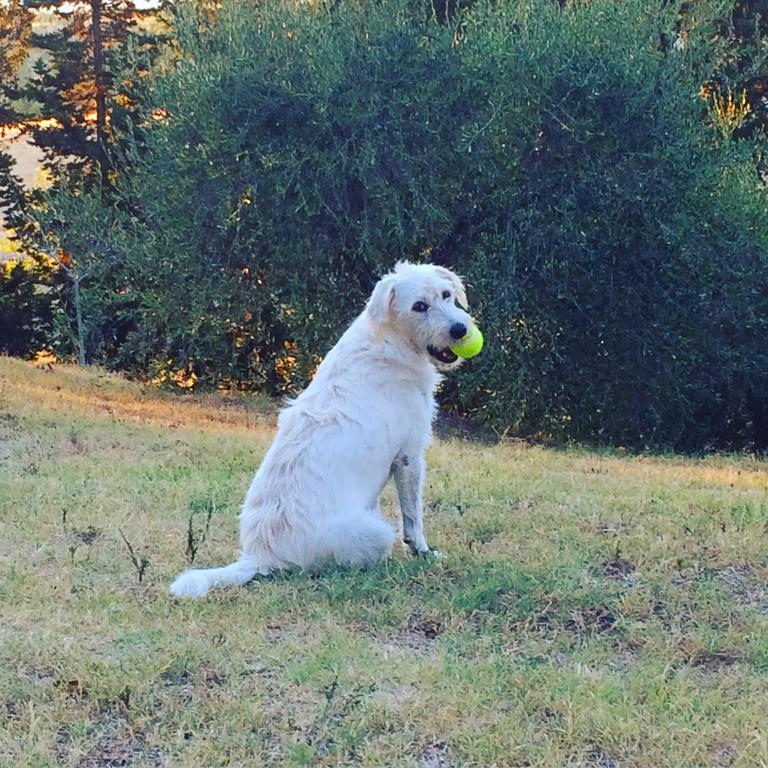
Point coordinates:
pixel 366 416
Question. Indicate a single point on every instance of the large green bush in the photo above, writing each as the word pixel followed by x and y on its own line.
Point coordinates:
pixel 562 159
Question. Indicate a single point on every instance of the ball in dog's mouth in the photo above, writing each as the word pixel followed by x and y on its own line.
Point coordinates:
pixel 444 355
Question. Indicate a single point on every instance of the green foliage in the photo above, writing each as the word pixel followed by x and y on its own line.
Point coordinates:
pixel 561 158
pixel 630 256
pixel 27 306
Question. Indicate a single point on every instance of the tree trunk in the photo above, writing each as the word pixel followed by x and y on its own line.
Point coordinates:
pixel 79 319
pixel 100 86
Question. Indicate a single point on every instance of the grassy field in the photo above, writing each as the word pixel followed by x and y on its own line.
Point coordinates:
pixel 591 609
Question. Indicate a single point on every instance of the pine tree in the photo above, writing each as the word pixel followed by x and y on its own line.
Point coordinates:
pixel 85 78
pixel 87 90
pixel 12 197
pixel 15 30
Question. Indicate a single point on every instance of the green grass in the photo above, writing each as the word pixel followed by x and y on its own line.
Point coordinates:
pixel 592 609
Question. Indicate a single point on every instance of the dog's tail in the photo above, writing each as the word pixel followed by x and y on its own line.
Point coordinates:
pixel 197 581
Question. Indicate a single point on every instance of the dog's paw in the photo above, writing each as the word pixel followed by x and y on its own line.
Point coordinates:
pixel 418 547
pixel 427 551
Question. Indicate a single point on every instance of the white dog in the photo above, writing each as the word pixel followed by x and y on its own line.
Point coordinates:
pixel 366 416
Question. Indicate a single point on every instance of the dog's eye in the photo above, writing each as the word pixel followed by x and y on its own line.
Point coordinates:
pixel 446 294
pixel 420 306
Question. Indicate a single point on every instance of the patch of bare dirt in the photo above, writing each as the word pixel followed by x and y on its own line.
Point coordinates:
pixel 747 586
pixel 116 744
pixel 713 661
pixel 436 755
pixel 621 570
pixel 88 536
pixel 598 757
pixel 427 627
pixel 723 755
pixel 417 636
pixel 695 656
pixel 618 568
pixel 591 620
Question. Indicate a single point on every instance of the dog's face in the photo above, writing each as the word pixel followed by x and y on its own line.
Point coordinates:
pixel 425 305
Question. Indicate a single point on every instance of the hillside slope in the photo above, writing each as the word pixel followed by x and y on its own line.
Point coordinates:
pixel 591 609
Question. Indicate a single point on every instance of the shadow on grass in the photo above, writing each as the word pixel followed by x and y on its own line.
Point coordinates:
pixel 493 594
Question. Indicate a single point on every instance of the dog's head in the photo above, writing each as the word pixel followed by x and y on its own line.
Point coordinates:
pixel 425 304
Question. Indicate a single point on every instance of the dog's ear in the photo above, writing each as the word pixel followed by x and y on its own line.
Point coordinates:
pixel 458 285
pixel 381 301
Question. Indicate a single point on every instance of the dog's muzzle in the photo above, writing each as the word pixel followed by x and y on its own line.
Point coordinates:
pixel 444 355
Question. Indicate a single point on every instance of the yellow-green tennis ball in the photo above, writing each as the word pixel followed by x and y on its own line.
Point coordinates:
pixel 470 345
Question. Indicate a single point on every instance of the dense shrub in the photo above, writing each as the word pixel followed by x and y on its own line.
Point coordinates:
pixel 561 158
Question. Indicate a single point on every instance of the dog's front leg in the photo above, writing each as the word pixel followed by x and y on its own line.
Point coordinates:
pixel 408 470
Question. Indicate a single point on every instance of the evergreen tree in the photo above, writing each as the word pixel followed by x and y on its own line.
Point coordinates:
pixel 15 30
pixel 87 88
pixel 89 75
pixel 12 198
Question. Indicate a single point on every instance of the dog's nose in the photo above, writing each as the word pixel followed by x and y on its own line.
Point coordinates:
pixel 458 331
